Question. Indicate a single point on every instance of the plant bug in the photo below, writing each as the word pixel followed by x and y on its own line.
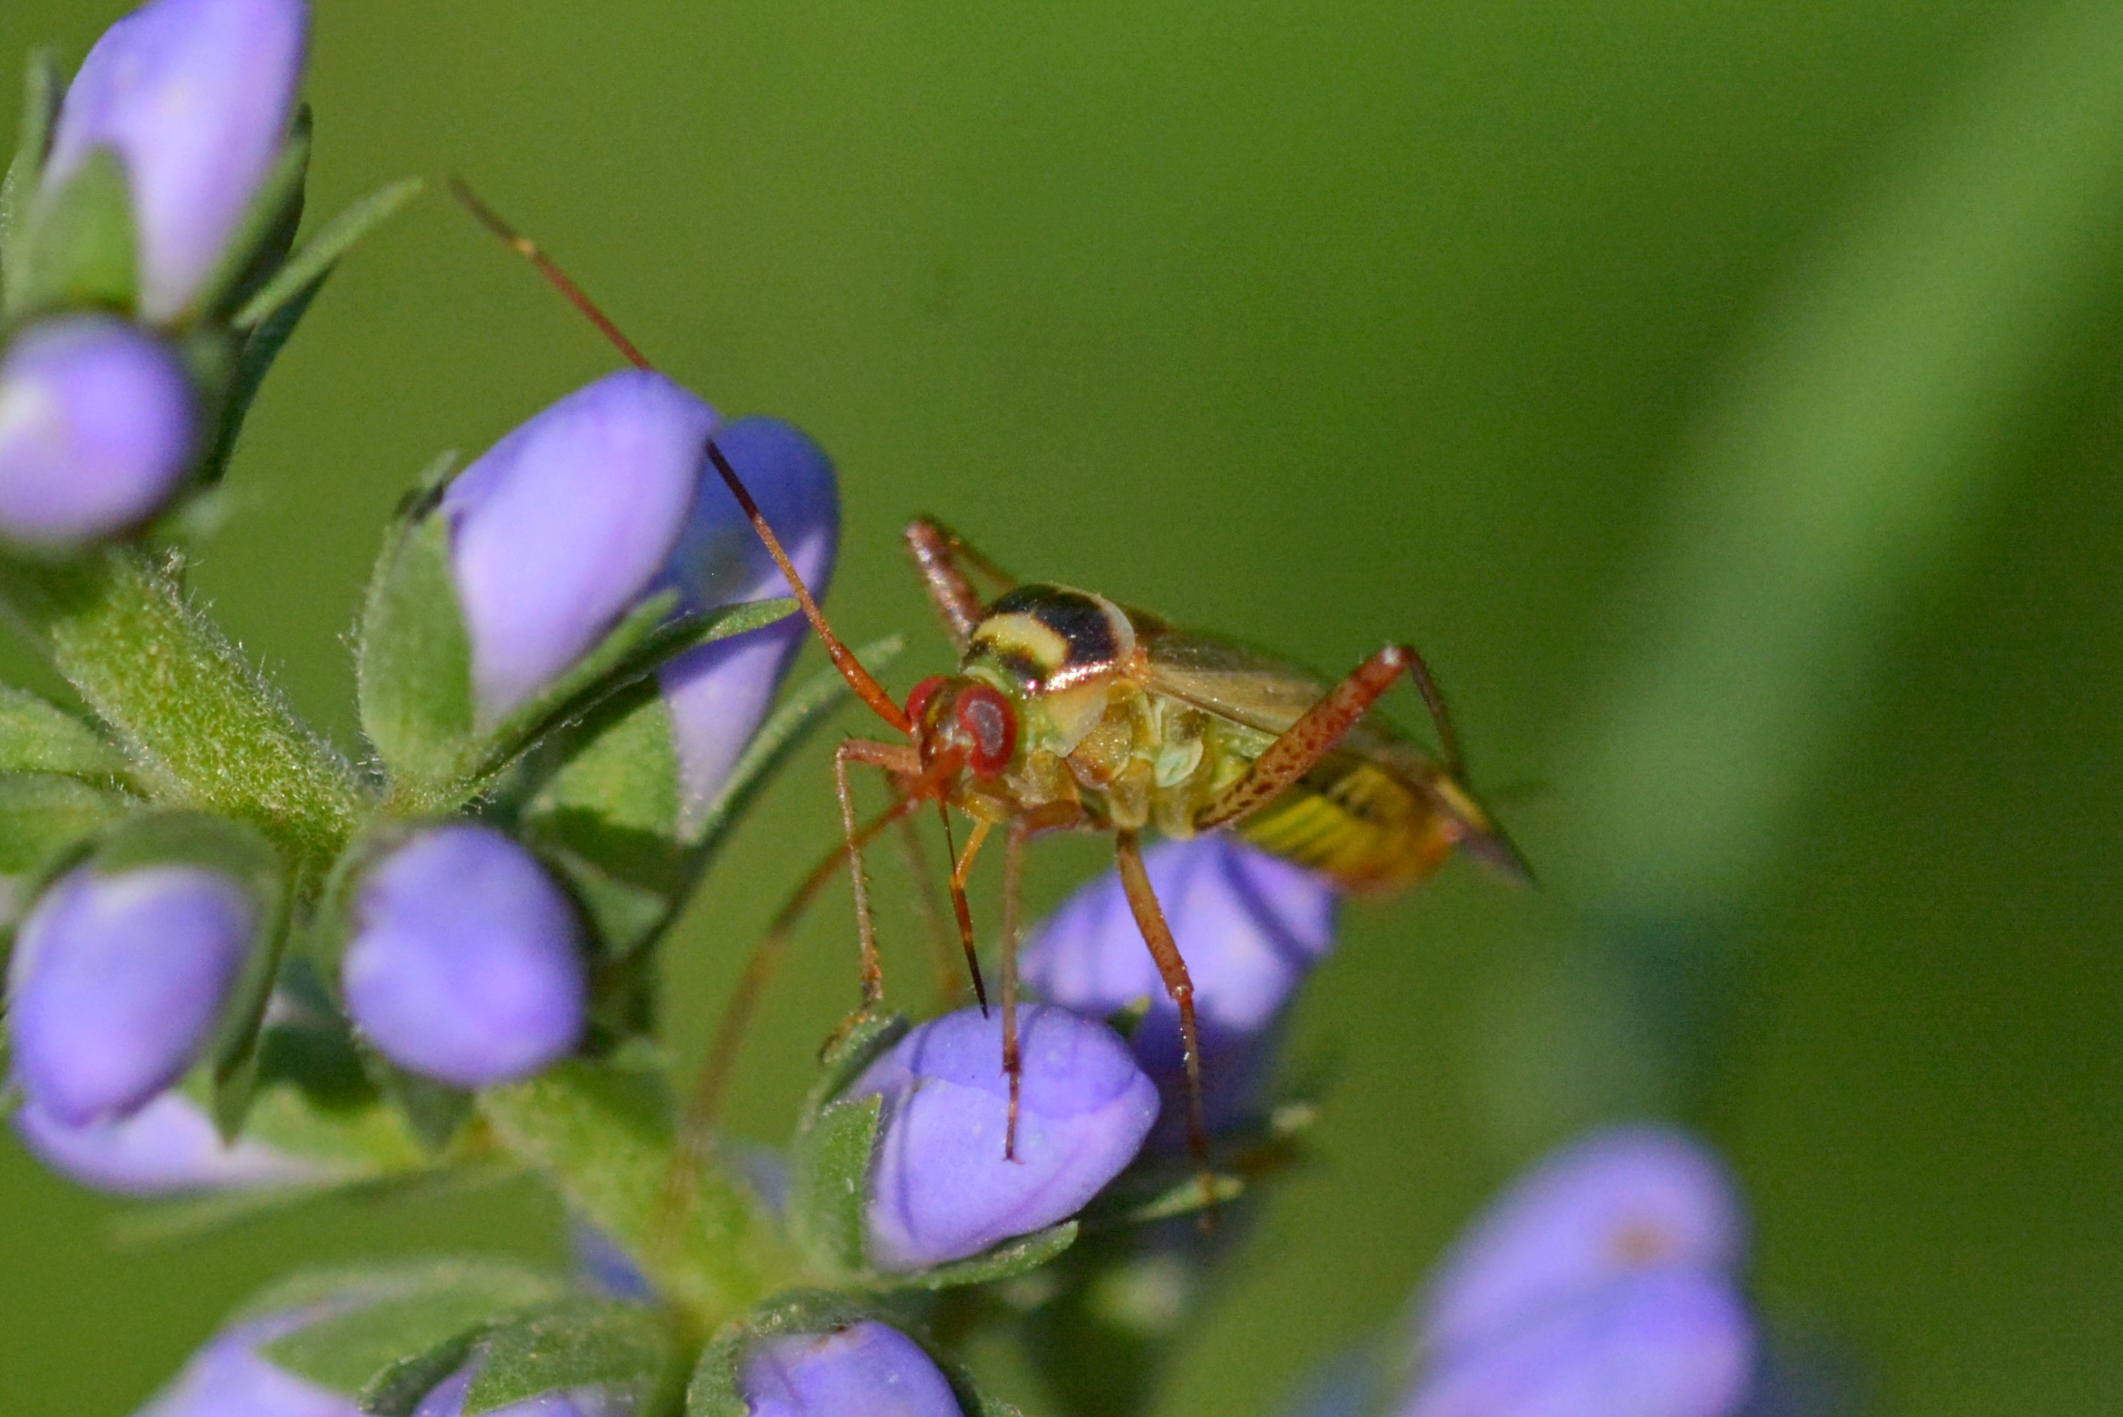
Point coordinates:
pixel 1069 712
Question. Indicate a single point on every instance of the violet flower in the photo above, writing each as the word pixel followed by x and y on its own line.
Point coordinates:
pixel 195 97
pixel 1600 1283
pixel 117 983
pixel 169 1147
pixel 867 1368
pixel 565 524
pixel 719 693
pixel 940 1186
pixel 1250 925
pixel 97 427
pixel 465 963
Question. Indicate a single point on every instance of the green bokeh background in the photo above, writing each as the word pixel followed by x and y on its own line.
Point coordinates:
pixel 1546 336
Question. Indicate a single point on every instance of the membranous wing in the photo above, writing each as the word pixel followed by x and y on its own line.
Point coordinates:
pixel 1255 688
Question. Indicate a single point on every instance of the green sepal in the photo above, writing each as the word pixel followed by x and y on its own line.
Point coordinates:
pixel 395 1327
pixel 79 248
pixel 435 1112
pixel 413 664
pixel 41 93
pixel 623 916
pixel 651 634
pixel 44 816
pixel 829 1161
pixel 578 1342
pixel 266 229
pixel 38 736
pixel 1007 1260
pixel 240 853
pixel 302 273
pixel 602 1133
pixel 845 1058
pixel 829 1174
pixel 717 1386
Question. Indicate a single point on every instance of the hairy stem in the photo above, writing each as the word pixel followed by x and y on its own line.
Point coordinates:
pixel 204 726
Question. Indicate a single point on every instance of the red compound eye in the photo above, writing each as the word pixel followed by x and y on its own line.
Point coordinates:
pixel 918 700
pixel 988 721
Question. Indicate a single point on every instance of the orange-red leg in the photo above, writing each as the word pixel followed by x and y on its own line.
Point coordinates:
pixel 963 909
pixel 901 761
pixel 1324 725
pixel 943 958
pixel 1157 934
pixel 1013 1059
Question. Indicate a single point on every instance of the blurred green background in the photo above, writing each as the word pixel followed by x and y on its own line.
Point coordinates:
pixel 1727 396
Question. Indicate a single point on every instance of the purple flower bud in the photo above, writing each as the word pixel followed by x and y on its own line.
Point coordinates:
pixel 1621 1201
pixel 1250 927
pixel 1662 1343
pixel 97 423
pixel 117 982
pixel 719 693
pixel 447 1400
pixel 940 1187
pixel 565 524
pixel 866 1367
pixel 227 1378
pixel 466 959
pixel 168 1147
pixel 195 97
pixel 605 1267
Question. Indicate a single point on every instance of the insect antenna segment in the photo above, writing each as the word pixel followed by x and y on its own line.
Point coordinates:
pixel 859 679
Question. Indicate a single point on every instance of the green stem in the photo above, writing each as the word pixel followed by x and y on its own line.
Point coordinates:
pixel 204 726
pixel 602 1135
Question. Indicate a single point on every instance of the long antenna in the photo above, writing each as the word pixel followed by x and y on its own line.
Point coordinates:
pixel 859 679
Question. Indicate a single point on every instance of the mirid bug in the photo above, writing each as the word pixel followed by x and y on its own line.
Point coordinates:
pixel 1069 712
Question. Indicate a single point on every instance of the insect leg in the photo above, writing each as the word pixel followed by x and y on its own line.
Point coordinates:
pixel 1157 934
pixel 1315 734
pixel 959 906
pixel 900 761
pixel 711 1084
pixel 941 954
pixel 1013 1060
pixel 943 557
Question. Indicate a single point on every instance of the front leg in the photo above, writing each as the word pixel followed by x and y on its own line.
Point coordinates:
pixel 943 558
pixel 903 763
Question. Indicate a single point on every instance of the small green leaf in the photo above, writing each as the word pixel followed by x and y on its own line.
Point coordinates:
pixel 36 736
pixel 625 915
pixel 393 1317
pixel 44 814
pixel 397 1390
pixel 649 636
pixel 435 1111
pixel 414 662
pixel 602 1133
pixel 1006 1261
pixel 574 1343
pixel 41 92
pixel 79 247
pixel 308 267
pixel 845 1059
pixel 829 1183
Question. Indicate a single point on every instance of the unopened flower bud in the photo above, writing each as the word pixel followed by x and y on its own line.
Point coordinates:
pixel 1661 1343
pixel 565 524
pixel 97 427
pixel 168 1147
pixel 868 1368
pixel 228 1377
pixel 1624 1200
pixel 118 981
pixel 465 962
pixel 195 97
pixel 1250 926
pixel 719 693
pixel 941 1188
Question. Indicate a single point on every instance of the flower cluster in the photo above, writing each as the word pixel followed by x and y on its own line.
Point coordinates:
pixel 240 959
